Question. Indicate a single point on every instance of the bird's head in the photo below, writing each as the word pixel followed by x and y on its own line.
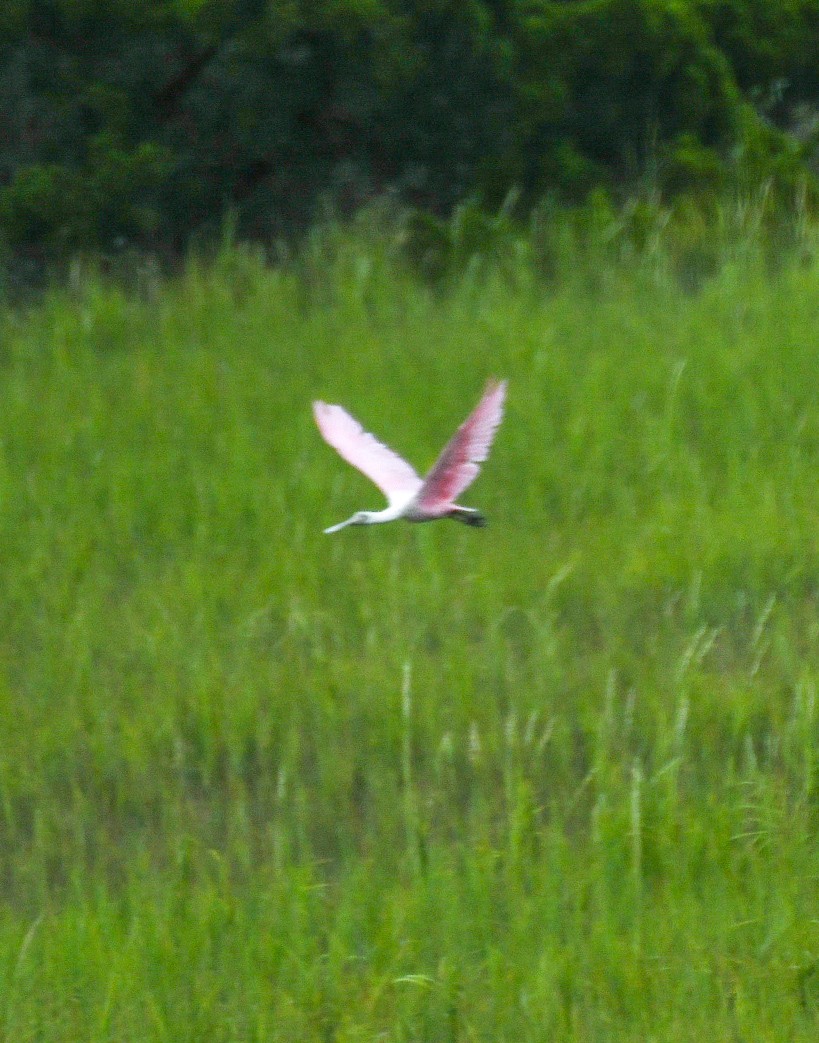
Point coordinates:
pixel 359 518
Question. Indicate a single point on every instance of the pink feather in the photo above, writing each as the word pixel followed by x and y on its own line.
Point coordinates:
pixel 385 468
pixel 458 465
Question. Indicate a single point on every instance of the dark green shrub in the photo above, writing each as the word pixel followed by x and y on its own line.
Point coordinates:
pixel 141 122
pixel 605 84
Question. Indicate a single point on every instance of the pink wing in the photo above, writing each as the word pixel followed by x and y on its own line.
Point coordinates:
pixel 393 475
pixel 458 465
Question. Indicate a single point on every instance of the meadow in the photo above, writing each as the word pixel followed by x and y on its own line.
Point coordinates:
pixel 556 779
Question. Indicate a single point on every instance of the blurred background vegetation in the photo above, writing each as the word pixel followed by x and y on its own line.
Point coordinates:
pixel 142 123
pixel 558 783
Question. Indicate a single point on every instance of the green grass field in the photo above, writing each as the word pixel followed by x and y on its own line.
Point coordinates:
pixel 552 780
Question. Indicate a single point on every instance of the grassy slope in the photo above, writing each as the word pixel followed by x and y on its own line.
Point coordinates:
pixel 552 780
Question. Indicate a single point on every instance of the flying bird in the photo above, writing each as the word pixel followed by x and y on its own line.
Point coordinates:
pixel 416 499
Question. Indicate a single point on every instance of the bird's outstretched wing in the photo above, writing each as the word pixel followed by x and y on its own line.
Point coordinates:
pixel 459 463
pixel 392 474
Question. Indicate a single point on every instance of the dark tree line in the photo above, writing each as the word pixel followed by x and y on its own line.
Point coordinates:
pixel 144 121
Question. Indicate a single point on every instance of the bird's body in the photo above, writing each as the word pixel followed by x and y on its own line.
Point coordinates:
pixel 411 497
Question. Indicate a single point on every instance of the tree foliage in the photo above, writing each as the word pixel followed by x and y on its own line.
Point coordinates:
pixel 143 121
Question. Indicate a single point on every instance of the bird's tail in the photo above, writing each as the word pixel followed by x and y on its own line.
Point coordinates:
pixel 468 515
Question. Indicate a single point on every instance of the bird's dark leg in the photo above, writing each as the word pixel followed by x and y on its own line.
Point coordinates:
pixel 468 515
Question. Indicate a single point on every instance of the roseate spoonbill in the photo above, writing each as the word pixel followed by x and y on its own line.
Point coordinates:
pixel 409 496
